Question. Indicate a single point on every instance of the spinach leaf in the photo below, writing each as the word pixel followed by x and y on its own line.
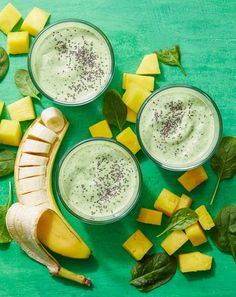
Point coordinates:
pixel 7 162
pixel 224 161
pixel 224 232
pixel 114 109
pixel 153 271
pixel 25 85
pixel 182 219
pixel 4 235
pixel 171 57
pixel 4 62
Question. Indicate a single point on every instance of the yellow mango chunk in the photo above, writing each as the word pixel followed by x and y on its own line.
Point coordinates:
pixel 184 202
pixel 195 261
pixel 149 216
pixel 146 82
pixel 129 139
pixel 101 129
pixel 18 42
pixel 174 241
pixel 193 178
pixel 35 21
pixel 195 234
pixel 9 17
pixel 22 110
pixel 1 106
pixel 10 132
pixel 149 65
pixel 205 218
pixel 131 116
pixel 137 245
pixel 134 96
pixel 167 202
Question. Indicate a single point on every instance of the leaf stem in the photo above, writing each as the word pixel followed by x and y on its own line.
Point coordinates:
pixel 164 231
pixel 182 69
pixel 9 196
pixel 215 191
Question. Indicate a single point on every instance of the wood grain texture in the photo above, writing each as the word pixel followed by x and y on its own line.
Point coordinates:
pixel 206 32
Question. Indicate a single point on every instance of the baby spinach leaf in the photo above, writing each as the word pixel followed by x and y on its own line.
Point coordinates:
pixel 182 219
pixel 4 235
pixel 7 162
pixel 4 62
pixel 25 85
pixel 171 57
pixel 224 232
pixel 114 109
pixel 153 271
pixel 224 161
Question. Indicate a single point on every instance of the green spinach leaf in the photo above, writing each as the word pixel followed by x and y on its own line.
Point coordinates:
pixel 182 219
pixel 171 57
pixel 224 232
pixel 224 161
pixel 4 62
pixel 153 271
pixel 4 235
pixel 114 109
pixel 7 162
pixel 25 85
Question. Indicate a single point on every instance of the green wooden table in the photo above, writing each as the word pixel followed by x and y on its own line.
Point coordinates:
pixel 206 31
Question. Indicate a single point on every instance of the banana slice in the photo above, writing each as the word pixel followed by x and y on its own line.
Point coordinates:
pixel 36 147
pixel 31 160
pixel 31 171
pixel 35 198
pixel 32 184
pixel 53 119
pixel 39 131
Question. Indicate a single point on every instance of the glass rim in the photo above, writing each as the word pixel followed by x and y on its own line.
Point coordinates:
pixel 112 219
pixel 201 161
pixel 107 41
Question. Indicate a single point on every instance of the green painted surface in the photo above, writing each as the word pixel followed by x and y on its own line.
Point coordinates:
pixel 205 29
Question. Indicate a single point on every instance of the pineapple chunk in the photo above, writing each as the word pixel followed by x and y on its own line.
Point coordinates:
pixel 167 202
pixel 184 202
pixel 191 179
pixel 18 43
pixel 174 241
pixel 134 96
pixel 10 132
pixel 129 139
pixel 101 129
pixel 9 17
pixel 149 65
pixel 146 82
pixel 137 245
pixel 22 110
pixel 149 216
pixel 1 106
pixel 196 234
pixel 131 116
pixel 35 21
pixel 205 218
pixel 195 261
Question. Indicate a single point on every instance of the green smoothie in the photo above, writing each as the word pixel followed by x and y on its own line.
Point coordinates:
pixel 99 180
pixel 71 62
pixel 179 127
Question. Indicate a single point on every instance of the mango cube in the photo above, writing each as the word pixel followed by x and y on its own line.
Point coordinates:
pixel 146 82
pixel 18 42
pixel 1 106
pixel 134 96
pixel 131 116
pixel 184 202
pixel 195 261
pixel 129 139
pixel 196 234
pixel 167 202
pixel 22 110
pixel 205 218
pixel 192 178
pixel 101 129
pixel 174 241
pixel 149 216
pixel 9 17
pixel 137 245
pixel 35 21
pixel 10 132
pixel 149 65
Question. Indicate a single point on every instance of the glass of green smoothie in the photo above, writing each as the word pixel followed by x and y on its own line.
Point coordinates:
pixel 71 62
pixel 99 180
pixel 179 127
